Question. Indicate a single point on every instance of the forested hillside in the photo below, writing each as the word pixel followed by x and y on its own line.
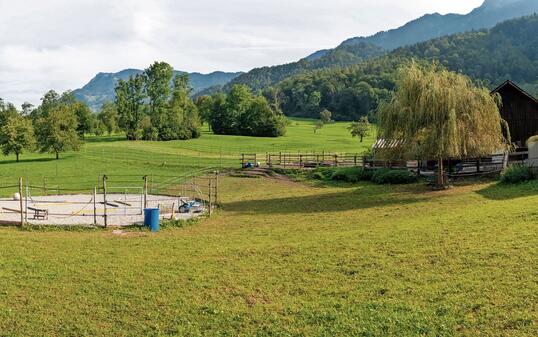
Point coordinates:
pixel 340 57
pixel 356 50
pixel 436 25
pixel 507 51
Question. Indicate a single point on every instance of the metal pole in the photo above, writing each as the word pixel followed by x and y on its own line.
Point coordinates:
pixel 20 201
pixel 95 206
pixel 210 204
pixel 104 203
pixel 26 203
pixel 145 191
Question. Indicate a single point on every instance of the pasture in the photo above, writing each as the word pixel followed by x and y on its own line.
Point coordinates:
pixel 290 259
pixel 127 162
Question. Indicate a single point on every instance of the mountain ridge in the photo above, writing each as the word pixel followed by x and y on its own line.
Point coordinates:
pixel 427 27
pixel 101 88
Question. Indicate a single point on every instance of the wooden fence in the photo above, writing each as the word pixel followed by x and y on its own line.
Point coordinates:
pixel 313 160
pixel 469 166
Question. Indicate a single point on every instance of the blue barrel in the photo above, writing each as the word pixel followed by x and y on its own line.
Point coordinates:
pixel 151 218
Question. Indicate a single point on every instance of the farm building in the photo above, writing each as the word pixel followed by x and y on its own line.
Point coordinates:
pixel 520 111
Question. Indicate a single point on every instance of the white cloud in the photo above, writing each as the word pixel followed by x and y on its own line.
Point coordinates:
pixel 61 44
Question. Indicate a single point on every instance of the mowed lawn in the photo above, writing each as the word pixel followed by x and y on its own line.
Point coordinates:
pixel 290 259
pixel 125 163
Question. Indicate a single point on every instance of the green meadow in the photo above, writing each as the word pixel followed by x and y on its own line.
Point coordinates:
pixel 279 258
pixel 127 162
pixel 283 258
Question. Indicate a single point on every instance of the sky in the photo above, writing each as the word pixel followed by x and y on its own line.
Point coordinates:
pixel 62 44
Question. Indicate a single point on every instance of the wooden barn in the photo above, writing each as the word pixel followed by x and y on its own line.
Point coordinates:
pixel 520 111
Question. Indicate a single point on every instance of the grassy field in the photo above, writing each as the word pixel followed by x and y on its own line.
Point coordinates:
pixel 289 259
pixel 126 162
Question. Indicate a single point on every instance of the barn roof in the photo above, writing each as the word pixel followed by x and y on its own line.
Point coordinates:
pixel 509 83
pixel 387 143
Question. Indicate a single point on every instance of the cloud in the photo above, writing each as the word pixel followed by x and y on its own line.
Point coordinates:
pixel 61 44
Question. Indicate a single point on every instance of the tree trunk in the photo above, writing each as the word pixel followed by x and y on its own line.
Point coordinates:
pixel 57 155
pixel 362 138
pixel 17 155
pixel 441 173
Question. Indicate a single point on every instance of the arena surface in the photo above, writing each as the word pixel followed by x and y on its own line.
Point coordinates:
pixel 121 209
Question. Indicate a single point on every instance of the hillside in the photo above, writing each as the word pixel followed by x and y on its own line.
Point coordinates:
pixel 437 25
pixel 506 51
pixel 340 57
pixel 101 88
pixel 356 50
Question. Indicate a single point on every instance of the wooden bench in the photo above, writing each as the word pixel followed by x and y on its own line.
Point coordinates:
pixel 40 214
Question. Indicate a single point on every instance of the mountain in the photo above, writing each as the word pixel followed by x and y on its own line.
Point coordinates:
pixel 359 49
pixel 508 51
pixel 436 25
pixel 101 88
pixel 342 56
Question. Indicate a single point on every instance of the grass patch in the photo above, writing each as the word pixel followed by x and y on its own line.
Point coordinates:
pixel 125 163
pixel 288 259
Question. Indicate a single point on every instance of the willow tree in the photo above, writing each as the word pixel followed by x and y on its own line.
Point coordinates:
pixel 436 114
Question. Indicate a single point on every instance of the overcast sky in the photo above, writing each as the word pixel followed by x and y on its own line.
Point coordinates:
pixel 62 44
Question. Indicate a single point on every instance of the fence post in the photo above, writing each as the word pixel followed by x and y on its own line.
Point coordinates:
pixel 20 201
pixel 95 206
pixel 26 202
pixel 210 204
pixel 217 188
pixel 145 191
pixel 336 160
pixel 104 201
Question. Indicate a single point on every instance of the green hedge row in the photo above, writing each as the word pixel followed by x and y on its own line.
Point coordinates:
pixel 356 174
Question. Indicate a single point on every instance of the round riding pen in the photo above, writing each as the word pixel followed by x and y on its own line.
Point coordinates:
pixel 106 200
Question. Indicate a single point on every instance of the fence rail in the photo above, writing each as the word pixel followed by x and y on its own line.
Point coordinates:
pixel 455 167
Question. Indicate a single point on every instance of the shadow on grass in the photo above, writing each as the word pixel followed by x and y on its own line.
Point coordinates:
pixel 33 160
pixel 509 192
pixel 352 199
pixel 105 139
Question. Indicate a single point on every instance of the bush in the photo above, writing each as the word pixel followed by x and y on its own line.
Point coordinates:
pixel 394 177
pixel 352 174
pixel 322 173
pixel 517 174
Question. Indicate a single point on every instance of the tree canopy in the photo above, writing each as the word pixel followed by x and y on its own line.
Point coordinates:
pixel 17 135
pixel 436 114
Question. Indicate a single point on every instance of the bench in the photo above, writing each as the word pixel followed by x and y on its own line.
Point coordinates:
pixel 40 214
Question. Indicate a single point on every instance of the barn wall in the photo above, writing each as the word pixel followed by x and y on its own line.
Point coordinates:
pixel 521 114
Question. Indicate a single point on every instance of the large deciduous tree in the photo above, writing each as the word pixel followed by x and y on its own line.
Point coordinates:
pixel 157 85
pixel 436 115
pixel 108 117
pixel 130 105
pixel 57 131
pixel 17 135
pixel 360 129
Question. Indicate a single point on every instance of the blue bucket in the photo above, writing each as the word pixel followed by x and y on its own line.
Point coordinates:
pixel 151 218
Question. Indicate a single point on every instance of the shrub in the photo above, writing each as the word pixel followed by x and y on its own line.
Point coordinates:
pixel 352 174
pixel 387 176
pixel 321 173
pixel 317 176
pixel 517 174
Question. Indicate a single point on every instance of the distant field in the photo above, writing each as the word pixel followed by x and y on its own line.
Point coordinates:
pixel 126 162
pixel 288 259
